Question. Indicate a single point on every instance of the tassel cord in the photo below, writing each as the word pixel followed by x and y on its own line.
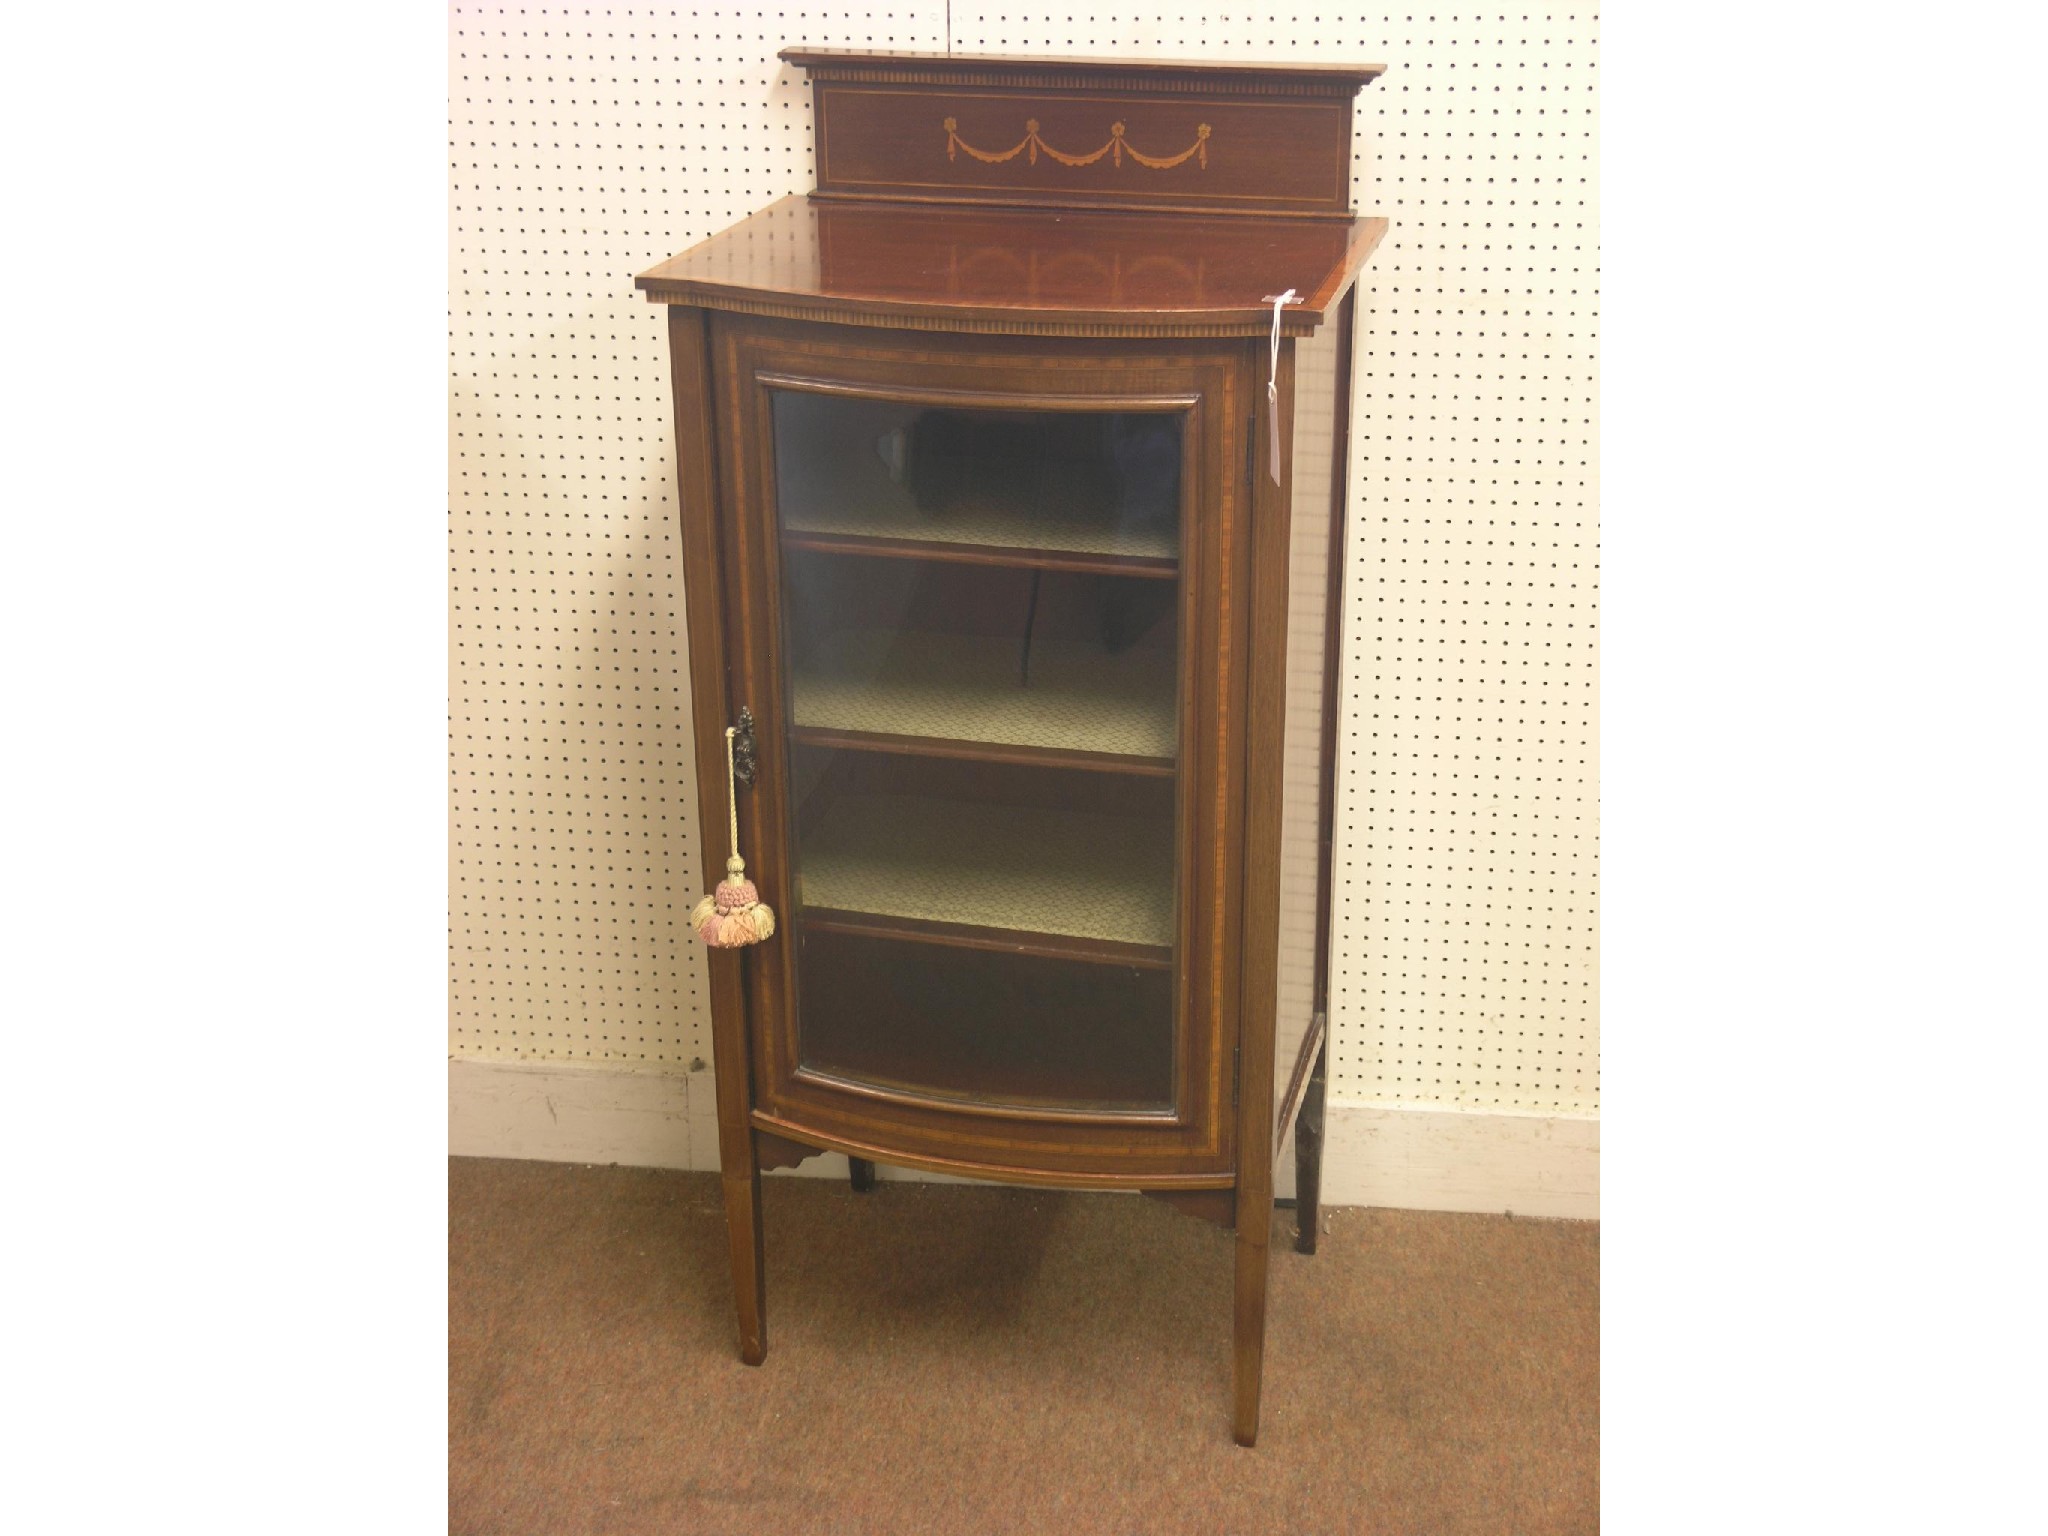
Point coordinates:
pixel 1279 301
pixel 732 794
pixel 733 914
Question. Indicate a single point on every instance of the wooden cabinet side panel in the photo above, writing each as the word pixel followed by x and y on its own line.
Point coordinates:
pixel 1321 460
pixel 755 683
pixel 1265 722
pixel 704 600
pixel 1265 739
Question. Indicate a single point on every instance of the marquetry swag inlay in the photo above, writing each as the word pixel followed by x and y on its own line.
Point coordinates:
pixel 1116 149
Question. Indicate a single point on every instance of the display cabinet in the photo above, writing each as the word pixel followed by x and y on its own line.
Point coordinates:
pixel 1012 476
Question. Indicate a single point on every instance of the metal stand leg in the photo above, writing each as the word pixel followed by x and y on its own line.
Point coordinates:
pixel 1308 1158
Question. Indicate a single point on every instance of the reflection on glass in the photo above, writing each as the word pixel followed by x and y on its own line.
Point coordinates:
pixel 1071 482
pixel 981 628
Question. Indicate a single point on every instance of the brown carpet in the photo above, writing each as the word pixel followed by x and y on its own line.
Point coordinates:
pixel 954 1359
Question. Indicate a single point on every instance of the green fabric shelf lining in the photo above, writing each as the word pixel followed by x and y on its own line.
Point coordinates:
pixel 1040 507
pixel 1021 868
pixel 970 688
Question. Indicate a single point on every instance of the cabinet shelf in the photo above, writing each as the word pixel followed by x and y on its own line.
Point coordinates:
pixel 983 554
pixel 984 1025
pixel 1050 517
pixel 942 869
pixel 1007 941
pixel 960 695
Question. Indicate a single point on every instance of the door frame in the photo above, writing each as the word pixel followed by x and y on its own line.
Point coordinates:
pixel 1193 1144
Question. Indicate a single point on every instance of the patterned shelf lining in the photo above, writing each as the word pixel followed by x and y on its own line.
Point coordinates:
pixel 1041 506
pixel 967 688
pixel 1018 867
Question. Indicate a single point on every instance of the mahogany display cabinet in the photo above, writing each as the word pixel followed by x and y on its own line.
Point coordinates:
pixel 1012 464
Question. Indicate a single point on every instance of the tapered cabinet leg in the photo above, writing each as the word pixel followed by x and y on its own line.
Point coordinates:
pixel 1248 1326
pixel 1308 1158
pixel 863 1174
pixel 705 583
pixel 749 1279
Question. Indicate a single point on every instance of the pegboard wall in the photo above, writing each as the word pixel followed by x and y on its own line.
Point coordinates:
pixel 588 142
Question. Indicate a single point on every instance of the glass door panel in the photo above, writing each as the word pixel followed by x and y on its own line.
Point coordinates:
pixel 981 625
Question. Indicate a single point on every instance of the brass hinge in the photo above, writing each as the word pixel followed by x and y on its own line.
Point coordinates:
pixel 1236 1066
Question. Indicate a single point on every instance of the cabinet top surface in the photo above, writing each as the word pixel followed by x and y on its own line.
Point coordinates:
pixel 846 59
pixel 1024 271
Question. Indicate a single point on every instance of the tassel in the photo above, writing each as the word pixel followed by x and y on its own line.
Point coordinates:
pixel 734 914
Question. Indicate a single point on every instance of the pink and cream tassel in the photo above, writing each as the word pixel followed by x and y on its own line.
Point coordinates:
pixel 734 914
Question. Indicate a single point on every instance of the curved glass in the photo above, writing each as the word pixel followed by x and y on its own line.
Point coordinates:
pixel 981 625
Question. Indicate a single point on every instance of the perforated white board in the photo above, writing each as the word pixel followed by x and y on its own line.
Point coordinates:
pixel 588 143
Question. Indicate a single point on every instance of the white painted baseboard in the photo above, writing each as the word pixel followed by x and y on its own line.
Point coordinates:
pixel 1412 1159
pixel 558 1113
pixel 1454 1160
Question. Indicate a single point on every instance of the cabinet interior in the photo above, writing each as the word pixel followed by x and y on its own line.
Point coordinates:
pixel 981 631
